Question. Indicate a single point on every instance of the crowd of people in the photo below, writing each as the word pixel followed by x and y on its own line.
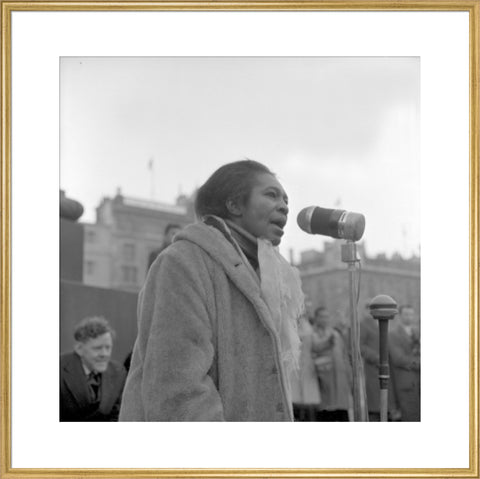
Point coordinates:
pixel 222 330
pixel 323 386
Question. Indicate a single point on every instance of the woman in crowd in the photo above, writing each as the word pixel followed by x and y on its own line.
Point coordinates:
pixel 333 369
pixel 305 384
pixel 217 338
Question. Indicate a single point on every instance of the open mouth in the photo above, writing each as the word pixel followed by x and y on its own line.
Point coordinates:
pixel 278 225
pixel 279 222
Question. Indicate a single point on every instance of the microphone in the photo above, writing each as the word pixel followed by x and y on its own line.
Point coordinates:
pixel 338 224
pixel 383 308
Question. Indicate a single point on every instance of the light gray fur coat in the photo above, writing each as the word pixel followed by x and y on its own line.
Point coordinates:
pixel 206 349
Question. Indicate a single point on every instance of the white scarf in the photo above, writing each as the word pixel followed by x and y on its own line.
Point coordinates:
pixel 281 290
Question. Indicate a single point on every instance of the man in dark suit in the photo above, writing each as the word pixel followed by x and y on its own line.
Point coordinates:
pixel 91 384
pixel 404 345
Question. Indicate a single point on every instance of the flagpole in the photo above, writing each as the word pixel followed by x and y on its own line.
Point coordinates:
pixel 152 182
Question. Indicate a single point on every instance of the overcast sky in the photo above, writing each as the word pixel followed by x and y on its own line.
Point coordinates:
pixel 338 132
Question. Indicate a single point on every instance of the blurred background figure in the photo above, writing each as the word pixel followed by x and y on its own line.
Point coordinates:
pixel 332 367
pixel 170 231
pixel 404 345
pixel 91 383
pixel 305 385
pixel 369 347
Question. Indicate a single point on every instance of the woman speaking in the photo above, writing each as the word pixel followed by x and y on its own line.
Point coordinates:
pixel 217 327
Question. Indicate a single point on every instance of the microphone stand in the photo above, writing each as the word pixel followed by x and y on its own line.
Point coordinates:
pixel 349 256
pixel 383 308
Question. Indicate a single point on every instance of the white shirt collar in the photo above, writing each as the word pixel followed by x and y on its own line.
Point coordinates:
pixel 86 369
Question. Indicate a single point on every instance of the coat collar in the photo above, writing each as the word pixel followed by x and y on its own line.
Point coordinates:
pixel 224 250
pixel 75 379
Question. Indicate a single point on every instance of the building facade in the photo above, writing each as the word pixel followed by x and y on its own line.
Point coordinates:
pixel 117 246
pixel 325 279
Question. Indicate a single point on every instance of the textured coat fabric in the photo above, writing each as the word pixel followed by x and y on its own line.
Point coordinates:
pixel 405 372
pixel 75 403
pixel 206 349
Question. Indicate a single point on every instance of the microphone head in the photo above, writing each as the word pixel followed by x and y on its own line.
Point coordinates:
pixel 338 224
pixel 383 307
pixel 304 219
pixel 353 226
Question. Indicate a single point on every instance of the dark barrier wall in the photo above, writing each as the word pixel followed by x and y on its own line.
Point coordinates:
pixel 71 250
pixel 119 307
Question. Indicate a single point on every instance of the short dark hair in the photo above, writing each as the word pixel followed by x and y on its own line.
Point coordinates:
pixel 92 327
pixel 233 181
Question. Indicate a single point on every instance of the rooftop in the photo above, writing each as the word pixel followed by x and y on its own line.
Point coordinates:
pixel 154 205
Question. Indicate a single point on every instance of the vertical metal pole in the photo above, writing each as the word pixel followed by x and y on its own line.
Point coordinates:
pixel 349 256
pixel 357 398
pixel 383 369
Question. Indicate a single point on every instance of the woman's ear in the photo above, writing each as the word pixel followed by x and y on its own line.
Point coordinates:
pixel 233 207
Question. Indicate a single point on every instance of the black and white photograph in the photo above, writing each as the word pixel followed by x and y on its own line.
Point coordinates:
pixel 240 239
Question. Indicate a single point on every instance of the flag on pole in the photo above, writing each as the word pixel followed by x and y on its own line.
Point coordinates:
pixel 152 182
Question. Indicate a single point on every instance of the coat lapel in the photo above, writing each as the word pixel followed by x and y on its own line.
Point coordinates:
pixel 243 279
pixel 76 380
pixel 237 269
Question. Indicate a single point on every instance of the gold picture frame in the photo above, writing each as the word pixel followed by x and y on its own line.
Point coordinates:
pixel 470 6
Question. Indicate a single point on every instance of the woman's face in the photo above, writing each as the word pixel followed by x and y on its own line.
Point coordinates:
pixel 264 214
